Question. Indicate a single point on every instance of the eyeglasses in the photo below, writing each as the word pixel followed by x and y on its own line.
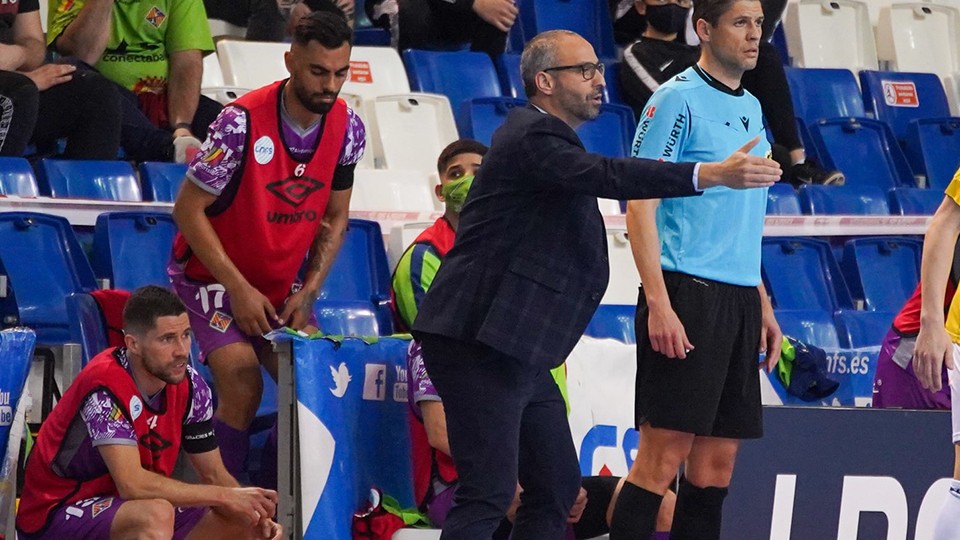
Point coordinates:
pixel 587 69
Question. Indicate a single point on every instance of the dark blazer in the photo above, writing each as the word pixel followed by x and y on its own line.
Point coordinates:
pixel 529 263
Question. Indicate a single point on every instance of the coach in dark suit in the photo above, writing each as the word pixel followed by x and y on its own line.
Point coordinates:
pixel 525 275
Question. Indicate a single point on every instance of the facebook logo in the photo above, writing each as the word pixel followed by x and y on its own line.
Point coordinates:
pixel 375 382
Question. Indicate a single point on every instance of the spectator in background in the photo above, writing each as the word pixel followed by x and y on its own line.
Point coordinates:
pixel 273 20
pixel 102 464
pixel 895 383
pixel 435 476
pixel 40 103
pixel 661 52
pixel 152 49
pixel 270 187
pixel 446 24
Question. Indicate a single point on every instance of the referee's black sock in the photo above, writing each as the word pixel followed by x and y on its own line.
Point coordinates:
pixel 635 514
pixel 698 512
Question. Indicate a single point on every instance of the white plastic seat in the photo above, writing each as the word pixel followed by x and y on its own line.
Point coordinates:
pixel 401 236
pixel 220 28
pixel 830 34
pixel 376 71
pixel 609 207
pixel 391 191
pixel 412 130
pixel 251 64
pixel 212 84
pixel 624 279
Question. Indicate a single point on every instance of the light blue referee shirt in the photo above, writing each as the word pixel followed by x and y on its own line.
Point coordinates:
pixel 694 118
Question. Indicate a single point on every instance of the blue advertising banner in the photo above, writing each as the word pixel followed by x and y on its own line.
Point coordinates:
pixel 352 411
pixel 854 369
pixel 16 353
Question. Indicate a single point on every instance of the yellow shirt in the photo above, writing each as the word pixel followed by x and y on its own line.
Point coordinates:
pixel 953 316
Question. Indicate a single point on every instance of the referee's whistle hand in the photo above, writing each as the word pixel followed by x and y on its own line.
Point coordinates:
pixel 740 170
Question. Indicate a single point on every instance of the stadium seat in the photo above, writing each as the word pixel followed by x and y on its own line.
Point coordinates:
pixel 813 27
pixel 393 190
pixel 884 271
pixel 813 327
pixel 412 130
pixel 624 280
pixel 589 18
pixel 933 148
pixel 865 150
pixel 899 98
pixel 343 318
pixel 251 64
pixel 615 322
pixel 908 33
pixel 782 200
pixel 132 249
pixel 863 328
pixel 360 272
pixel 212 84
pixel 161 181
pixel 401 236
pixel 914 201
pixel 371 37
pixel 816 200
pixel 86 325
pixel 221 28
pixel 375 71
pixel 600 134
pixel 508 69
pixel 479 118
pixel 448 73
pixel 824 93
pixel 16 178
pixel 611 90
pixel 802 273
pixel 102 180
pixel 43 263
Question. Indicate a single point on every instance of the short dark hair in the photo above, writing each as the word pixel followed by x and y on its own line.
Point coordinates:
pixel 328 29
pixel 454 149
pixel 711 10
pixel 146 305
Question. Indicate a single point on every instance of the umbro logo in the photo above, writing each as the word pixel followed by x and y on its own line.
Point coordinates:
pixel 293 190
pixel 681 78
pixel 746 123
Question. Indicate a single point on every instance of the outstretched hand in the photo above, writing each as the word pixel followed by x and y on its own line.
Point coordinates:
pixel 740 170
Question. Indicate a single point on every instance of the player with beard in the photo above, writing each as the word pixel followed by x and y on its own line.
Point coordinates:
pixel 103 459
pixel 271 184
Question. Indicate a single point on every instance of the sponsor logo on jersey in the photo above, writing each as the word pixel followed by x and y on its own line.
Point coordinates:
pixel 220 321
pixel 294 190
pixel 156 17
pixel 100 506
pixel 136 407
pixel 746 123
pixel 263 150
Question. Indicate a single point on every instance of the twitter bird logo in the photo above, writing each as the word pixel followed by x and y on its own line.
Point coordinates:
pixel 341 378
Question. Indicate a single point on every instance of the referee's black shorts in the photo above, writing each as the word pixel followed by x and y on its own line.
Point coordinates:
pixel 715 390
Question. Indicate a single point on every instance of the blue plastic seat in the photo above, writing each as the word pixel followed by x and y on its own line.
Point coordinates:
pixel 600 135
pixel 103 180
pixel 615 322
pixel 899 98
pixel 933 148
pixel 86 325
pixel 508 69
pixel 360 272
pixel 480 117
pixel 882 270
pixel 611 90
pixel 589 18
pixel 161 181
pixel 132 249
pixel 863 328
pixel 824 93
pixel 43 263
pixel 914 201
pixel 357 319
pixel 459 75
pixel 818 200
pixel 811 326
pixel 802 273
pixel 782 200
pixel 865 150
pixel 371 37
pixel 16 178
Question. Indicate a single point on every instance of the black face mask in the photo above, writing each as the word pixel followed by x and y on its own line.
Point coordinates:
pixel 669 18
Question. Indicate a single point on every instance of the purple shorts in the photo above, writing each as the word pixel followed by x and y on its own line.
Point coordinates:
pixel 91 519
pixel 895 384
pixel 211 319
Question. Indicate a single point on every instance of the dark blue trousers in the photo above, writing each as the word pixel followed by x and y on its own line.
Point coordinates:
pixel 506 422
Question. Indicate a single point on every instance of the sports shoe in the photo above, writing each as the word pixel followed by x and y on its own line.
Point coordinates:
pixel 809 172
pixel 185 148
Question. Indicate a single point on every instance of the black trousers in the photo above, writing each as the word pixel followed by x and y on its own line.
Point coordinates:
pixel 506 422
pixel 85 111
pixel 438 25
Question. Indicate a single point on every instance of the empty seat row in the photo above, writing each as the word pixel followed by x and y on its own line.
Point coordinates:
pixel 101 180
pixel 817 200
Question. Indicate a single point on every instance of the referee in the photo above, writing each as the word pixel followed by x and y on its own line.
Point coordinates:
pixel 703 316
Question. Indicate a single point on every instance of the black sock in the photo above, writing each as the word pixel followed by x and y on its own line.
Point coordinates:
pixel 635 514
pixel 698 512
